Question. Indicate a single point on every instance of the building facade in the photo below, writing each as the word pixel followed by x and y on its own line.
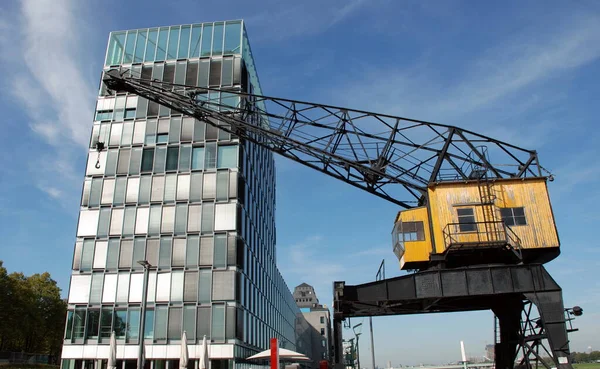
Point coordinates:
pixel 193 201
pixel 313 324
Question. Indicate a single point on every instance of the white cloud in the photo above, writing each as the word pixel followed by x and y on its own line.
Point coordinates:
pixel 47 80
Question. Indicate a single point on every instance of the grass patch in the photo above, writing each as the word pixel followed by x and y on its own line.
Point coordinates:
pixel 587 366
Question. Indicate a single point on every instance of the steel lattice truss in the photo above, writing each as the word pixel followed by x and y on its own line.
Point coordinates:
pixel 391 157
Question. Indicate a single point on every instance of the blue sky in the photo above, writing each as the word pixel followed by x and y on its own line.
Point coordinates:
pixel 523 71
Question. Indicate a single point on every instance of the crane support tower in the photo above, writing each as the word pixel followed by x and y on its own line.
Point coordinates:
pixel 476 232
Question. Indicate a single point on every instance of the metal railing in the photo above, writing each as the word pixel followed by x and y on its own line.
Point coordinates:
pixel 480 234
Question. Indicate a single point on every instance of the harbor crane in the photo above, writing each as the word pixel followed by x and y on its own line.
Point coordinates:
pixel 476 223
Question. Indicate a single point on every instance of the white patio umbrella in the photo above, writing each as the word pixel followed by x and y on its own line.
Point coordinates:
pixel 184 357
pixel 284 355
pixel 112 352
pixel 204 360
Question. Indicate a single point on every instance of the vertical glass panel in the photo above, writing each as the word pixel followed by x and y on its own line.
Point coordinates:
pixel 103 222
pixel 139 131
pixel 147 160
pixel 233 35
pixel 194 218
pixel 133 188
pixel 149 324
pixel 77 255
pixel 139 46
pixel 126 254
pixel 183 187
pixel 206 40
pixel 123 287
pixel 170 187
pixel 195 41
pixel 151 45
pixel 154 225
pixel 127 134
pixel 111 162
pixel 232 249
pixel 180 219
pixel 110 289
pixel 187 129
pixel 116 131
pixel 204 285
pixel 152 112
pixel 191 74
pixel 87 184
pixel 224 285
pixel 227 73
pixel 116 222
pixel 177 287
pixel 203 69
pixel 169 74
pixel 120 188
pixel 172 158
pixel 237 73
pixel 69 329
pixel 164 256
pixel 141 109
pixel 139 249
pixel 100 255
pixel 79 323
pixel 158 71
pixel 136 285
pixel 178 252
pixel 129 221
pixel 141 220
pixel 180 74
pixel 174 331
pixel 184 42
pixel 158 188
pixel 218 39
pixel 220 253
pixel 184 157
pixel 106 318
pixel 112 259
pixel 146 73
pixel 210 186
pixel 191 287
pixel 160 323
pixel 136 158
pixel 211 155
pixel 145 184
pixel 152 248
pixel 230 327
pixel 87 256
pixel 191 251
pixel 115 48
pixel 215 72
pixel 129 47
pixel 227 157
pixel 159 159
pixel 198 158
pixel 96 291
pixel 173 42
pixel 174 130
pixel 123 164
pixel 206 250
pixel 196 187
pixel 163 286
pixel 133 325
pixel 163 111
pixel 168 219
pixel 218 323
pixel 120 323
pixel 95 192
pixel 189 321
pixel 212 132
pixel 208 217
pixel 161 50
pixel 222 185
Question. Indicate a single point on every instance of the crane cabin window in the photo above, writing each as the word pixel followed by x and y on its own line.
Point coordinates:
pixel 409 231
pixel 466 220
pixel 513 216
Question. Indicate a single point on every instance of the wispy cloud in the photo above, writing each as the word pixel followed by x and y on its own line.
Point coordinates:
pixel 47 80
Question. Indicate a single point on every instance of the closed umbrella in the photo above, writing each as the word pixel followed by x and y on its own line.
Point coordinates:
pixel 204 360
pixel 184 357
pixel 112 354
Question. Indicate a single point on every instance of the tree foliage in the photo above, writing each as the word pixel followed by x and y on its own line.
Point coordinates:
pixel 584 357
pixel 32 314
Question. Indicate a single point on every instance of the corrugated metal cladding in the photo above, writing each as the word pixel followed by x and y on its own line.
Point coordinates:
pixel 530 194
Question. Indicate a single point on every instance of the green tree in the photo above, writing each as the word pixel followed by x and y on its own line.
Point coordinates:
pixel 32 313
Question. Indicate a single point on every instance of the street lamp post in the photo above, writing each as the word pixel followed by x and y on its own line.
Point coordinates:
pixel 146 265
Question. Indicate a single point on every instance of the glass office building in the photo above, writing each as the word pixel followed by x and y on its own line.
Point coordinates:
pixel 195 202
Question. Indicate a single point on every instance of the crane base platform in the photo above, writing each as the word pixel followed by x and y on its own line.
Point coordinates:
pixel 507 290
